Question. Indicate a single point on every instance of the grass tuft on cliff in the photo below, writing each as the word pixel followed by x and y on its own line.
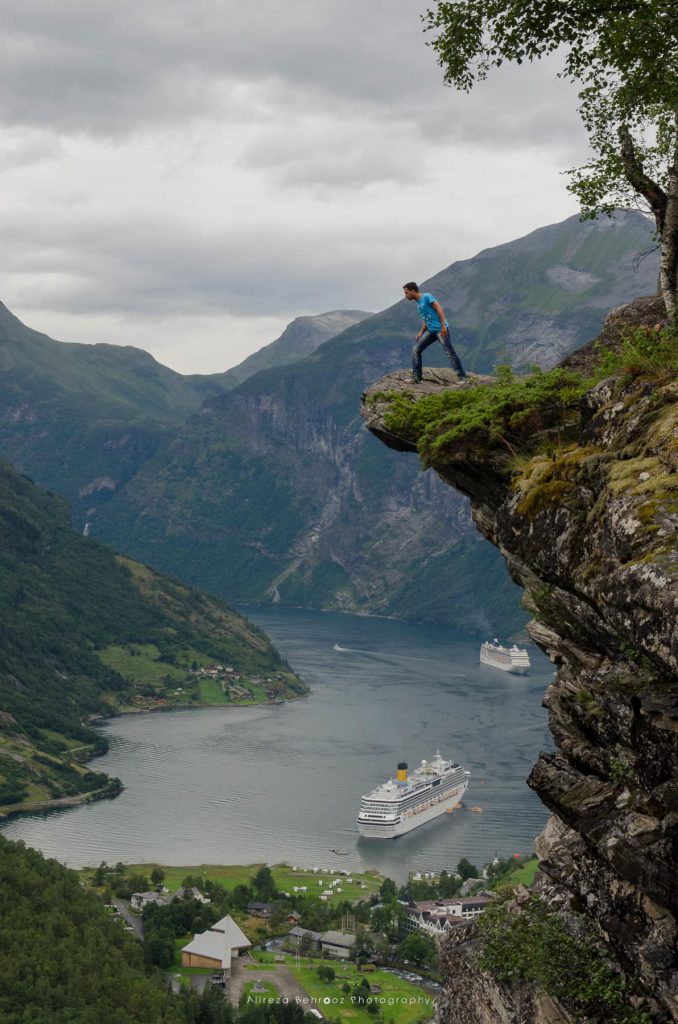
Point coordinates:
pixel 519 414
pixel 506 413
pixel 644 351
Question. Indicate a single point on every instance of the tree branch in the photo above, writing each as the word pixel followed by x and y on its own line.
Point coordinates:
pixel 638 179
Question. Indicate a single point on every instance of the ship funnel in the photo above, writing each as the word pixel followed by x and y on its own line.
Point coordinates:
pixel 402 771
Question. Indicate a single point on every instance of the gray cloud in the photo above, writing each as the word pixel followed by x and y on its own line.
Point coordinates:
pixel 206 159
pixel 156 268
pixel 110 69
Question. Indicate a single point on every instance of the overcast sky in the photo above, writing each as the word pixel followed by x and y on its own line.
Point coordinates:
pixel 190 175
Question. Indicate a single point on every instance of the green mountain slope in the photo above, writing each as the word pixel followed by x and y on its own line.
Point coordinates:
pixel 64 959
pixel 84 633
pixel 299 339
pixel 275 492
pixel 81 419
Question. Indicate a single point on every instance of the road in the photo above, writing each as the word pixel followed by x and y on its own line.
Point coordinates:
pixel 137 924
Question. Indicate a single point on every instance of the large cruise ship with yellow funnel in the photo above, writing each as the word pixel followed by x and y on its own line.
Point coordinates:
pixel 407 801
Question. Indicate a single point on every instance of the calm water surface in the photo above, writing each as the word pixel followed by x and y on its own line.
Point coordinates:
pixel 280 783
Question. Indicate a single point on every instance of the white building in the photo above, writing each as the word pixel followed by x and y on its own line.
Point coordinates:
pixel 436 917
pixel 217 947
pixel 140 900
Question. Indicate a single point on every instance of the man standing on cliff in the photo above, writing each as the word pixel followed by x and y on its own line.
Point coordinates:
pixel 434 328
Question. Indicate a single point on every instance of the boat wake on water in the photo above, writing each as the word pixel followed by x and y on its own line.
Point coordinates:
pixel 383 655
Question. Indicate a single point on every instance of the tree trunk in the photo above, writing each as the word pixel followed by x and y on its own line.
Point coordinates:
pixel 668 274
pixel 664 206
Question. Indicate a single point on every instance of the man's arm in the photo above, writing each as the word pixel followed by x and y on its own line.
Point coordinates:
pixel 441 313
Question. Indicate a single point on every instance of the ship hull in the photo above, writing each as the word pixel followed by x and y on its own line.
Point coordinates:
pixel 515 670
pixel 409 820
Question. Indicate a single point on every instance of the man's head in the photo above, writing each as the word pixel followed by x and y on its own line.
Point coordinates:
pixel 411 290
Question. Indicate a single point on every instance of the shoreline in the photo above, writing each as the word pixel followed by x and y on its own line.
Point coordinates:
pixel 64 802
pixel 60 802
pixel 96 719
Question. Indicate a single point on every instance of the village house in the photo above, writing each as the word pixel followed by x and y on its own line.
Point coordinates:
pixel 338 944
pixel 217 947
pixel 437 917
pixel 191 893
pixel 210 673
pixel 260 909
pixel 140 900
pixel 296 935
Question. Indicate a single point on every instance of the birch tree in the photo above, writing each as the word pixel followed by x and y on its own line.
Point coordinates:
pixel 623 56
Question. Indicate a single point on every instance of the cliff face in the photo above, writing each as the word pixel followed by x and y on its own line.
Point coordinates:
pixel 586 516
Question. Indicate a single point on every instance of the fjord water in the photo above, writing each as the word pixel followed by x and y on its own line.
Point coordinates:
pixel 274 783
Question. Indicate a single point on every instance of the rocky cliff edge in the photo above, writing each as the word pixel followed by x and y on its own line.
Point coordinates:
pixel 580 494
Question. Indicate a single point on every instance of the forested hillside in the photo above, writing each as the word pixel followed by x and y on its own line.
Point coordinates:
pixel 85 633
pixel 81 419
pixel 63 958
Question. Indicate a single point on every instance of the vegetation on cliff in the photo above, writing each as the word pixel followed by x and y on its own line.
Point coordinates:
pixel 68 608
pixel 507 413
pixel 517 415
pixel 560 955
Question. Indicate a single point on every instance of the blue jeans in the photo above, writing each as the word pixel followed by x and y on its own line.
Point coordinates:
pixel 427 338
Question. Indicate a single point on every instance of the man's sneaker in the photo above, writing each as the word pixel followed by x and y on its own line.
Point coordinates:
pixel 415 380
pixel 463 379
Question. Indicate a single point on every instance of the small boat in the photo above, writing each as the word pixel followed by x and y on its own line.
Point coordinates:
pixel 336 647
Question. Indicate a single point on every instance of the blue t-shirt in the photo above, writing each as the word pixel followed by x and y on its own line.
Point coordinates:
pixel 428 313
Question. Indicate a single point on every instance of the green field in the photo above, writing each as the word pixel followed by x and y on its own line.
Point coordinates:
pixel 285 877
pixel 58 737
pixel 141 665
pixel 401 1002
pixel 211 692
pixel 522 875
pixel 263 958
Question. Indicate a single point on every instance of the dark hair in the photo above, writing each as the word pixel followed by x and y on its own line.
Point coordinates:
pixel 411 286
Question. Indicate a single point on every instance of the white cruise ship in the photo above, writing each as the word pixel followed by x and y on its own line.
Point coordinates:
pixel 404 803
pixel 510 659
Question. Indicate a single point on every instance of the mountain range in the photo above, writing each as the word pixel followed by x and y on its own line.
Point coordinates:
pixel 272 490
pixel 86 633
pixel 299 339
